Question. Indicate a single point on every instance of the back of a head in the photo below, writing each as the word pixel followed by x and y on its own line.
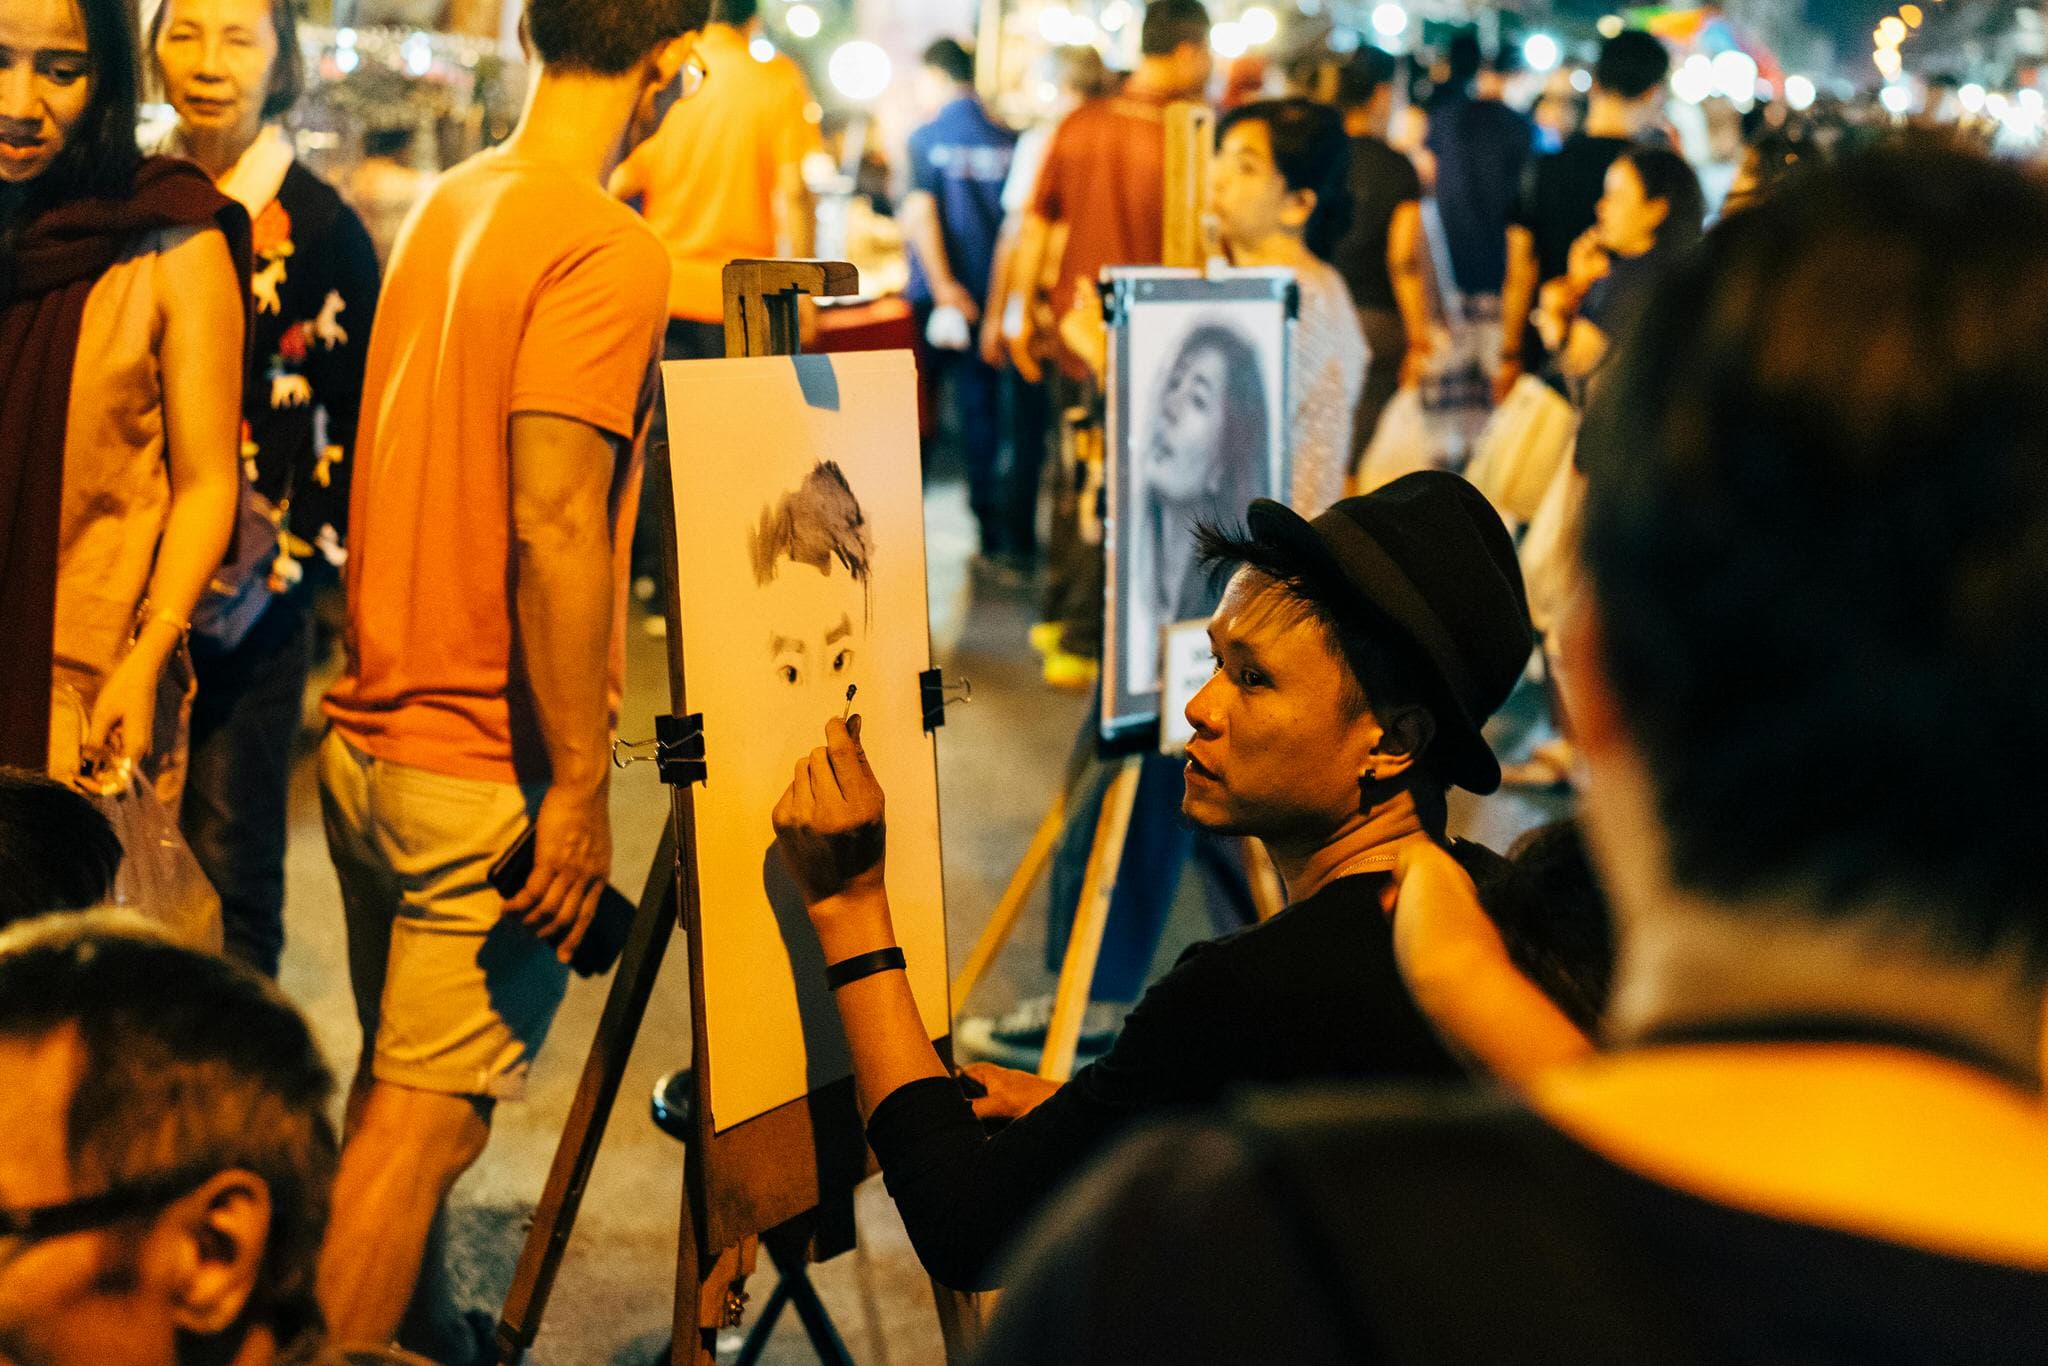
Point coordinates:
pixel 57 851
pixel 192 1063
pixel 608 37
pixel 1556 921
pixel 1171 25
pixel 951 60
pixel 1632 63
pixel 1311 152
pixel 738 13
pixel 1369 70
pixel 1464 57
pixel 1082 71
pixel 1818 536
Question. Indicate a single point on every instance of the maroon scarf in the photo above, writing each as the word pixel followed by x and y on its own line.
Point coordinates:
pixel 58 258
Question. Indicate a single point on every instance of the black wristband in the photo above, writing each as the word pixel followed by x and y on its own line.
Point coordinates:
pixel 862 965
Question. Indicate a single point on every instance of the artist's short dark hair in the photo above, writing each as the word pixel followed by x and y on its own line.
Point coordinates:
pixel 738 13
pixel 1362 76
pixel 1631 64
pixel 820 521
pixel 57 851
pixel 948 57
pixel 1172 24
pixel 1818 538
pixel 1311 152
pixel 192 1063
pixel 608 37
pixel 1382 678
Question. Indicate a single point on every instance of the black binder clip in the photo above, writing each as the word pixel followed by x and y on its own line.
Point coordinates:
pixel 935 694
pixel 678 749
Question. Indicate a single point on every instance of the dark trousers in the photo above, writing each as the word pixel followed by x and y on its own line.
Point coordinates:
pixel 1386 343
pixel 1030 413
pixel 1074 578
pixel 1156 851
pixel 245 718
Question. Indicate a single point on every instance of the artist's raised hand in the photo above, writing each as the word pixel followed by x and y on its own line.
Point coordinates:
pixel 829 826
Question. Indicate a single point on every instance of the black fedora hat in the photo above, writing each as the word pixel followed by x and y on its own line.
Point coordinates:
pixel 1427 557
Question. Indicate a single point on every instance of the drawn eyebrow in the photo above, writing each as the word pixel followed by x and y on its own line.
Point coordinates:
pixel 839 632
pixel 778 644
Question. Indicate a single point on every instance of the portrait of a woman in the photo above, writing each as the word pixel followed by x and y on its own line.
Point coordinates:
pixel 1204 456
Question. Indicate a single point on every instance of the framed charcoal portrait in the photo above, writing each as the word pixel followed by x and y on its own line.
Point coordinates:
pixel 1197 428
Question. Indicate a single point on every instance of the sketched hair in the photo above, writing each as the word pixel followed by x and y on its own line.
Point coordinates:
pixel 818 523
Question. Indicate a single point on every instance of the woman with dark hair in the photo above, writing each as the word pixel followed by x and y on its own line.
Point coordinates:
pixel 231 68
pixel 1204 459
pixel 121 325
pixel 1280 187
pixel 1650 211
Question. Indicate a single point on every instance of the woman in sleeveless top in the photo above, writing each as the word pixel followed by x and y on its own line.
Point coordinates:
pixel 121 328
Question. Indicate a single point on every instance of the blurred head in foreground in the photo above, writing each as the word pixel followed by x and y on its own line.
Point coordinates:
pixel 1808 685
pixel 164 1179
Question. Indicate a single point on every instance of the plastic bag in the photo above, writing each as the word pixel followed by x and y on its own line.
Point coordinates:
pixel 1525 441
pixel 159 878
pixel 1550 549
pixel 1402 444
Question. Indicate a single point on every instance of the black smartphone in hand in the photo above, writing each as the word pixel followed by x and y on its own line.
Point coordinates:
pixel 603 942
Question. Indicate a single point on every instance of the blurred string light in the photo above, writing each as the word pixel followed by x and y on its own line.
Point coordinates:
pixel 1888 62
pixel 1228 39
pixel 1800 92
pixel 803 21
pixel 1259 25
pixel 1694 80
pixel 1971 98
pixel 1390 21
pixel 1735 76
pixel 859 70
pixel 346 57
pixel 417 52
pixel 1611 25
pixel 1896 99
pixel 1344 41
pixel 762 50
pixel 1582 80
pixel 1913 15
pixel 1540 51
pixel 1891 31
pixel 1115 15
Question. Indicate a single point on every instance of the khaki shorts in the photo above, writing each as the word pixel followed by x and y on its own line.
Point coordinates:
pixel 452 996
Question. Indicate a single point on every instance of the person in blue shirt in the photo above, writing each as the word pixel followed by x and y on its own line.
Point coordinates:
pixel 959 162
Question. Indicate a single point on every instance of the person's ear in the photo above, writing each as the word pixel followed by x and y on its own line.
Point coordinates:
pixel 1297 209
pixel 1404 735
pixel 667 60
pixel 216 1240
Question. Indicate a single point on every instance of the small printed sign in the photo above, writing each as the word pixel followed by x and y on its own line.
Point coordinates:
pixel 1185 663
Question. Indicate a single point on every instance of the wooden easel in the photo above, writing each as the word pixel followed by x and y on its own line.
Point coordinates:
pixel 785 1179
pixel 1190 140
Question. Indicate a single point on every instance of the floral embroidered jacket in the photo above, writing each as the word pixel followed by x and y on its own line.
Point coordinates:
pixel 315 293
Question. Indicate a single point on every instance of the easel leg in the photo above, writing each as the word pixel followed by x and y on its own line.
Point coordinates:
pixel 576 1152
pixel 1091 916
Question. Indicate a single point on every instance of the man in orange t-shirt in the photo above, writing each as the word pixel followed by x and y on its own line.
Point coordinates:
pixel 509 376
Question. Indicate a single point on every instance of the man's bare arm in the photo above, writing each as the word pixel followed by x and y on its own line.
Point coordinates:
pixel 562 613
